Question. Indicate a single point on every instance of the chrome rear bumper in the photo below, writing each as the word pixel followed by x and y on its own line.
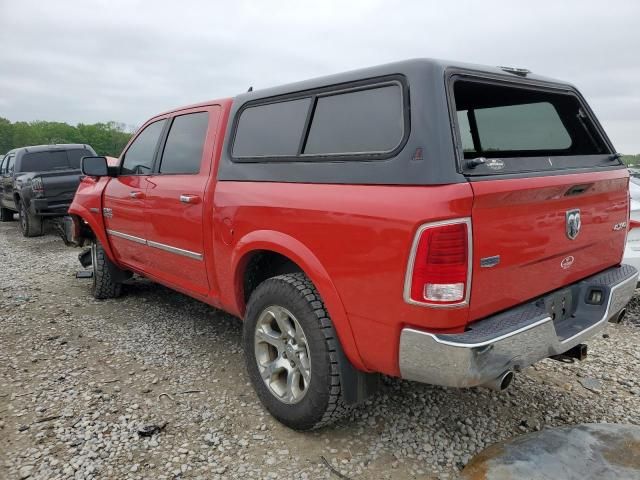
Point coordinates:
pixel 514 339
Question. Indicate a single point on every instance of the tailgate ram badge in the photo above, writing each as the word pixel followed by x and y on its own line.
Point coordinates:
pixel 567 261
pixel 573 223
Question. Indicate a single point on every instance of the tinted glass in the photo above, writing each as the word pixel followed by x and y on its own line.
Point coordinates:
pixel 364 121
pixel 76 155
pixel 271 130
pixel 138 159
pixel 185 142
pixel 512 122
pixel 532 126
pixel 11 164
pixel 465 131
pixel 44 161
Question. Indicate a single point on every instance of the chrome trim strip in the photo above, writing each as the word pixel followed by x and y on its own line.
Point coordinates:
pixel 412 258
pixel 127 236
pixel 161 246
pixel 176 250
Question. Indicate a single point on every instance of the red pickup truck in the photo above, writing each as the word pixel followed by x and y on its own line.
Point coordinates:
pixel 440 222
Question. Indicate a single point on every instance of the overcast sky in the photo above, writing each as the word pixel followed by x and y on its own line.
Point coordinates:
pixel 90 61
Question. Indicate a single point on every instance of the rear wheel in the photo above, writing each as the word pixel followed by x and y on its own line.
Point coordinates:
pixel 103 284
pixel 291 352
pixel 30 225
pixel 6 215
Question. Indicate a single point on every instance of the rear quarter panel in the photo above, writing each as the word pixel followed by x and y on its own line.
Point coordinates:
pixel 361 236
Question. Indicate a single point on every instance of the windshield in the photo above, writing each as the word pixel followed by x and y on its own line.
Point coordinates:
pixel 506 126
pixel 52 160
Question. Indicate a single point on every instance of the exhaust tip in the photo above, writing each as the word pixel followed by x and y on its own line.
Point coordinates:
pixel 621 315
pixel 506 380
pixel 502 382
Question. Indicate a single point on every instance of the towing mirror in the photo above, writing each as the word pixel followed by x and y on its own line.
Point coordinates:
pixel 94 166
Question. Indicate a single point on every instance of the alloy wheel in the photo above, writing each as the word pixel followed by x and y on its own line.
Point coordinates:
pixel 282 354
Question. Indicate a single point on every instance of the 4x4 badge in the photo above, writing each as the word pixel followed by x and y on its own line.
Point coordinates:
pixel 573 223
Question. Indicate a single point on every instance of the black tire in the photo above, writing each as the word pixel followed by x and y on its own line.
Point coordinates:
pixel 103 285
pixel 30 225
pixel 6 215
pixel 322 402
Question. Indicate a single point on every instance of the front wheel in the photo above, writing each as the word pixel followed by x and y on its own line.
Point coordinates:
pixel 103 284
pixel 30 225
pixel 291 351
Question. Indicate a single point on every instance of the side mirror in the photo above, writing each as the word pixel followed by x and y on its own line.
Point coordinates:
pixel 94 166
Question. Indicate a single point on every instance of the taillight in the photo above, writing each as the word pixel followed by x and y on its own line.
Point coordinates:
pixel 438 271
pixel 633 224
pixel 36 185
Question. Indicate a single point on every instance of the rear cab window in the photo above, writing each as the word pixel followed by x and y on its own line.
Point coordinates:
pixel 75 156
pixel 364 121
pixel 504 127
pixel 51 160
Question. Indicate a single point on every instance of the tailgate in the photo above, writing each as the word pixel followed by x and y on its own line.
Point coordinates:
pixel 522 231
pixel 60 186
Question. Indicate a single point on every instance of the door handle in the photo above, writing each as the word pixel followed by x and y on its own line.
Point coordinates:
pixel 192 199
pixel 135 194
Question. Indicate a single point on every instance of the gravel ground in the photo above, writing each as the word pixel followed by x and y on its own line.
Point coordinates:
pixel 79 377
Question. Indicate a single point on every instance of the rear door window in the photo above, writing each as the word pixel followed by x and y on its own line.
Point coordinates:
pixel 139 157
pixel 271 130
pixel 185 143
pixel 365 121
pixel 526 128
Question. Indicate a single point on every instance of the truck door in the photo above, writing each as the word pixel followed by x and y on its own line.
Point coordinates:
pixel 124 197
pixel 8 167
pixel 176 200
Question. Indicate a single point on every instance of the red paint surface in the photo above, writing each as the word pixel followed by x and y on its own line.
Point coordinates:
pixel 523 221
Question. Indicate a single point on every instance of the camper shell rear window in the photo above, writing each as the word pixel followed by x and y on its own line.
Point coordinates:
pixel 505 127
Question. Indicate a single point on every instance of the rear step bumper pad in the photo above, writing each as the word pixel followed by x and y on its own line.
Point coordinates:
pixel 514 339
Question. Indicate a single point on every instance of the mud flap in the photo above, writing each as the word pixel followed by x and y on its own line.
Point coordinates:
pixel 357 386
pixel 85 258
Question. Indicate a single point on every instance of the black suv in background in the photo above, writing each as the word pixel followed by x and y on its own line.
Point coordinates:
pixel 39 182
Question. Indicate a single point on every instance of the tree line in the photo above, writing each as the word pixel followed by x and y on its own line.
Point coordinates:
pixel 105 138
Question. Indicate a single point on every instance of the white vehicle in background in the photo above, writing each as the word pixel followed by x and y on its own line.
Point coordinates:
pixel 632 249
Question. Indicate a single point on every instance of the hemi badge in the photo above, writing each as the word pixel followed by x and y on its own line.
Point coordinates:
pixel 488 262
pixel 107 213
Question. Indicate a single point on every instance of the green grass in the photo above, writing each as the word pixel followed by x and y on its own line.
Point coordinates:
pixel 631 159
